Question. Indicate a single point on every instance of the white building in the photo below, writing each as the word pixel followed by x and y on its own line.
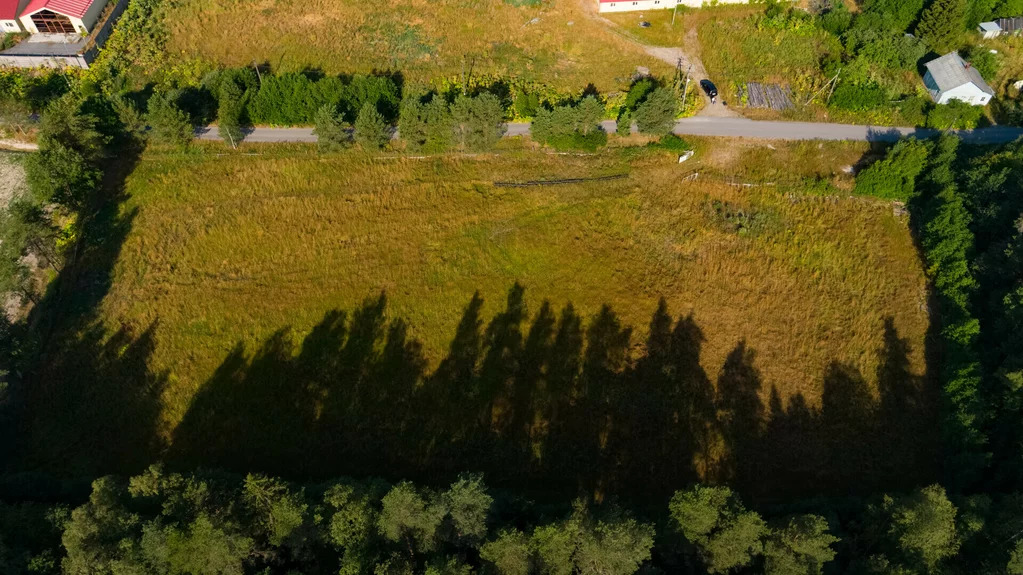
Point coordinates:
pixel 9 11
pixel 952 78
pixel 989 29
pixel 636 5
pixel 61 16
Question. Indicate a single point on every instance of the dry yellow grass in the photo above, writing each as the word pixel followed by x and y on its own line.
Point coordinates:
pixel 558 43
pixel 231 249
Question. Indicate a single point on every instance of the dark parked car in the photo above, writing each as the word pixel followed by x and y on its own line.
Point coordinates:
pixel 710 89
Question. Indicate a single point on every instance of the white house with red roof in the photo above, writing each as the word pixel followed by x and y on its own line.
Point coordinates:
pixel 61 16
pixel 9 12
pixel 637 5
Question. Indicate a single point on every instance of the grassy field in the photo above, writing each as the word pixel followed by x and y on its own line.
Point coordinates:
pixel 736 50
pixel 229 249
pixel 556 42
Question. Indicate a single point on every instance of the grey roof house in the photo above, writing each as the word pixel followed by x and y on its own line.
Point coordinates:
pixel 952 78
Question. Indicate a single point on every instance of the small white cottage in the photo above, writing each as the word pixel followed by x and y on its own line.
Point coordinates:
pixel 952 78
pixel 989 29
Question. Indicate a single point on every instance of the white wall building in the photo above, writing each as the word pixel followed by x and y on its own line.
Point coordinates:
pixel 952 78
pixel 636 5
pixel 61 16
pixel 9 11
pixel 989 29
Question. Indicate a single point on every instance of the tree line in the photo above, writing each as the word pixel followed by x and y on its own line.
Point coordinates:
pixel 967 212
pixel 361 110
pixel 210 522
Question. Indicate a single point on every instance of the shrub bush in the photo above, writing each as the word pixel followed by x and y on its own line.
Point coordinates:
pixel 955 115
pixel 577 141
pixel 858 97
pixel 894 177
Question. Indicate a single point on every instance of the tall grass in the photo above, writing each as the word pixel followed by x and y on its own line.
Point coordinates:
pixel 230 249
pixel 556 43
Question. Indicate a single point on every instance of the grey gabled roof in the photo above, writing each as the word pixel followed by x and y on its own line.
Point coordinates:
pixel 950 72
pixel 990 27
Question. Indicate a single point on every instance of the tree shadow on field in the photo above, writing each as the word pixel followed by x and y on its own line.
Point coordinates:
pixel 88 403
pixel 545 401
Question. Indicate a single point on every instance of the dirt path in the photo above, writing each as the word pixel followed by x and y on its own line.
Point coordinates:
pixel 17 145
pixel 671 56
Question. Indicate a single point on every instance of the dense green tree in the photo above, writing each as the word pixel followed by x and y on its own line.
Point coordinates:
pixel 230 112
pixel 411 123
pixel 942 25
pixel 66 170
pixel 411 517
pixel 439 125
pixel 527 104
pixel 571 126
pixel 657 113
pixel 801 546
pixel 427 127
pixel 617 546
pixel 638 92
pixel 715 521
pixel 26 229
pixel 280 513
pixel 555 547
pixel 331 133
pixel 468 505
pixel 894 177
pixel 1015 565
pixel 837 19
pixel 921 528
pixel 94 535
pixel 624 124
pixel 902 13
pixel 371 130
pixel 201 548
pixel 509 553
pixel 943 222
pixel 614 545
pixel 168 124
pixel 478 122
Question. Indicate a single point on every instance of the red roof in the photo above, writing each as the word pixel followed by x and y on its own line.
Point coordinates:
pixel 9 9
pixel 70 8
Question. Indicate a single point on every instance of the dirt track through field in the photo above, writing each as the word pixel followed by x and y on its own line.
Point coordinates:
pixel 674 56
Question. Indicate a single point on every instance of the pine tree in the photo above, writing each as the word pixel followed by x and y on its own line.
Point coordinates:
pixel 371 131
pixel 942 25
pixel 656 115
pixel 330 130
pixel 167 123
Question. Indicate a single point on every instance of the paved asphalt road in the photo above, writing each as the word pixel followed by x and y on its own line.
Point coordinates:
pixel 700 126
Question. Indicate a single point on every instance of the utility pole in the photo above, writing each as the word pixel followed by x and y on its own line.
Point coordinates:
pixel 674 13
pixel 258 75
